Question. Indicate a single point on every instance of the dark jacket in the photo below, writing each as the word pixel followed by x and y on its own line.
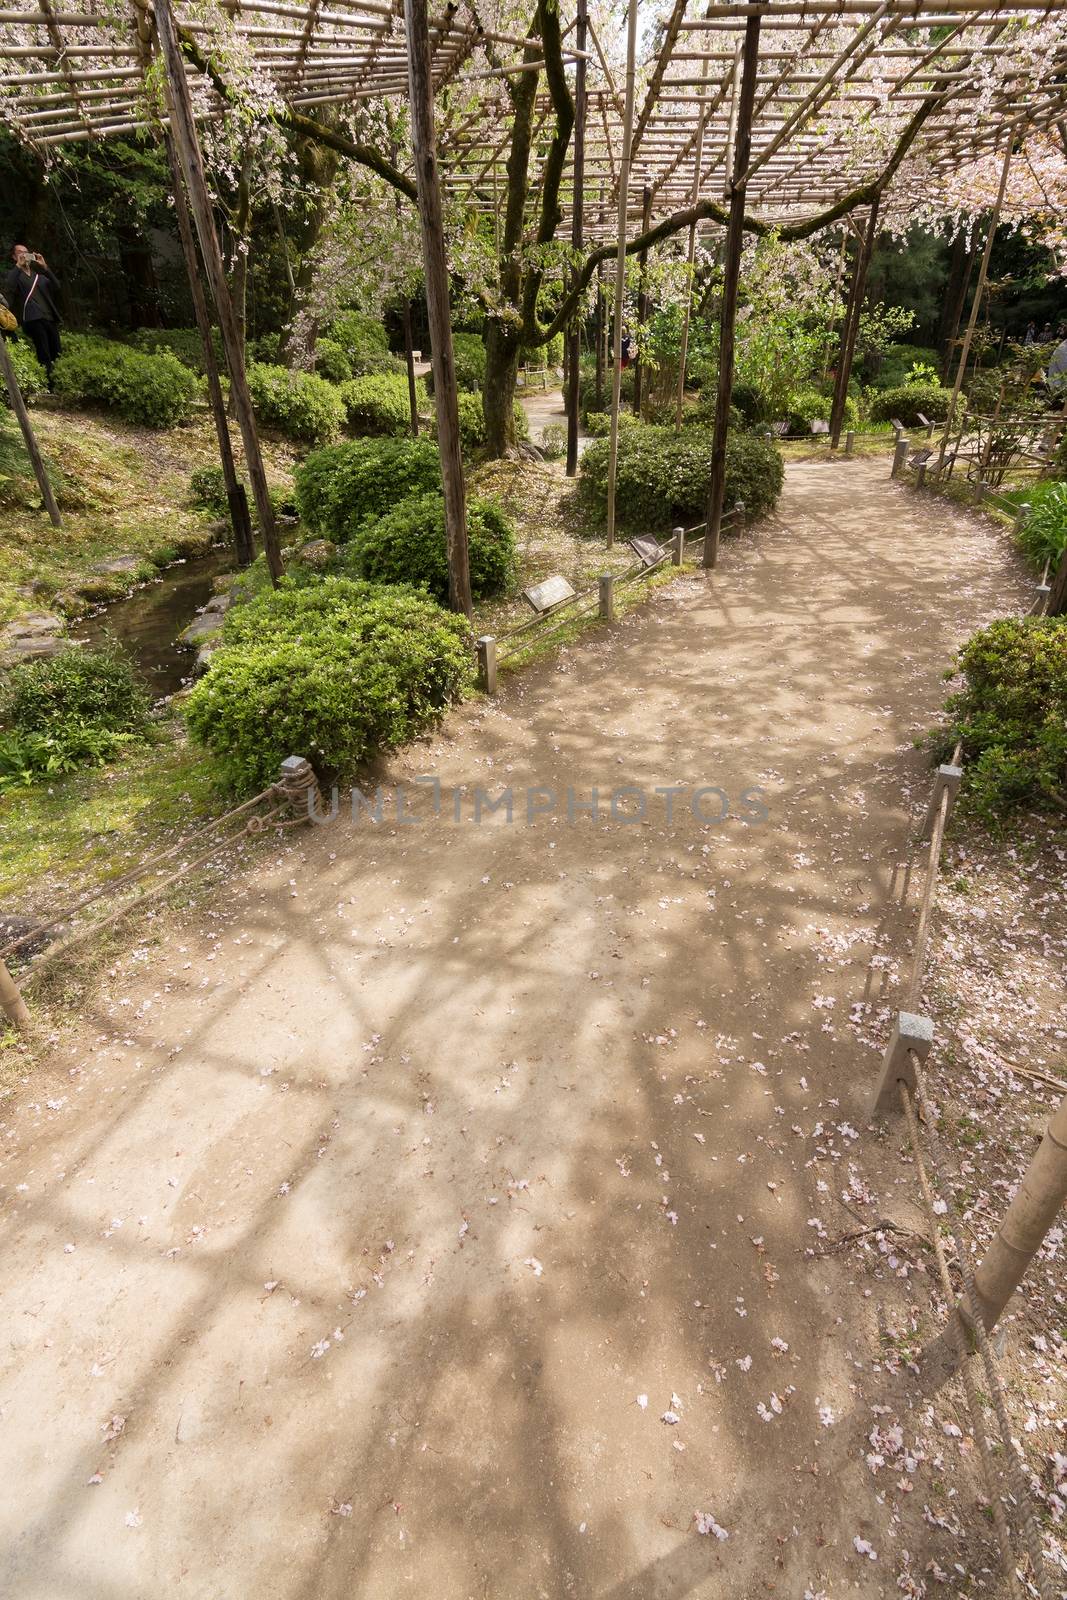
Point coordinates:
pixel 32 294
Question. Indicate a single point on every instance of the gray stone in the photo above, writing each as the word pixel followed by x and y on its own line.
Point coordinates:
pixel 218 603
pixel 117 566
pixel 318 554
pixel 202 627
pixel 27 638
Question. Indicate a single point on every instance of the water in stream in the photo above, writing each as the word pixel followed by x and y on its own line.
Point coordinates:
pixel 147 623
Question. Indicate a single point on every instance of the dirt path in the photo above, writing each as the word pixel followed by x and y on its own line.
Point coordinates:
pixel 395 1207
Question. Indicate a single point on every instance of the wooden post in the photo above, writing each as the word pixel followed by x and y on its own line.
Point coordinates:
pixel 237 500
pixel 574 337
pixel 852 325
pixel 18 406
pixel 976 302
pixel 435 266
pixel 731 274
pixel 643 307
pixel 620 264
pixel 12 1004
pixel 1057 600
pixel 183 128
pixel 486 649
pixel 409 355
pixel 691 253
pixel 606 597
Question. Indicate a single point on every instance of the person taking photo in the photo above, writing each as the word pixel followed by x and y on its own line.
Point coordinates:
pixel 31 291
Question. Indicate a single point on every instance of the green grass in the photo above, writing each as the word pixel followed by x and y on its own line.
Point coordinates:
pixel 59 838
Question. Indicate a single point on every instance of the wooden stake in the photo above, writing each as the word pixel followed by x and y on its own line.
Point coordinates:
pixel 409 356
pixel 187 144
pixel 983 272
pixel 691 254
pixel 435 266
pixel 18 406
pixel 237 500
pixel 731 275
pixel 574 338
pixel 642 295
pixel 850 331
pixel 620 265
pixel 12 1004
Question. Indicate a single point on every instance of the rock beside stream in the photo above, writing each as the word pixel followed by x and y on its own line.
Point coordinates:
pixel 28 638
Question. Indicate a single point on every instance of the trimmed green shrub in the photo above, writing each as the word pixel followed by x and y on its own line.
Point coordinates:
pixel 587 390
pixel 895 366
pixel 1011 716
pixel 331 361
pixel 1043 536
pixel 408 545
pixel 358 334
pixel 29 373
pixel 598 423
pixel 68 710
pixel 336 670
pixel 751 404
pixel 299 404
pixel 472 422
pixel 181 342
pixel 266 347
pixel 468 352
pixel 662 476
pixel 810 405
pixel 366 365
pixel 905 404
pixel 337 488
pixel 378 403
pixel 207 488
pixel 152 389
pixel 553 441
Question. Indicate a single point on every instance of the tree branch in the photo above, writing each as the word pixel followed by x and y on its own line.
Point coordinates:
pixel 552 175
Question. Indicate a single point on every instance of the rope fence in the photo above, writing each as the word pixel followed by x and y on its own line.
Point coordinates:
pixel 495 649
pixel 288 803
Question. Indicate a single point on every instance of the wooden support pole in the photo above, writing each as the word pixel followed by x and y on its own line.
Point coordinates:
pixel 731 275
pixel 983 272
pixel 620 264
pixel 18 406
pixel 850 331
pixel 12 1004
pixel 574 337
pixel 187 144
pixel 691 252
pixel 643 307
pixel 1030 1215
pixel 409 356
pixel 435 266
pixel 236 498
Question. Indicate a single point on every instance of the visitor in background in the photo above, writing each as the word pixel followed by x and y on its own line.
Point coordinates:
pixel 1031 333
pixel 1045 336
pixel 31 291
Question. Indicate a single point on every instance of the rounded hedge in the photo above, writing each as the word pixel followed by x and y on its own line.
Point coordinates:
pixel 29 373
pixel 662 476
pixel 905 404
pixel 299 404
pixel 1011 716
pixel 468 354
pixel 811 405
pixel 335 671
pixel 358 335
pixel 339 487
pixel 408 545
pixel 185 343
pixel 379 403
pixel 154 389
pixel 331 361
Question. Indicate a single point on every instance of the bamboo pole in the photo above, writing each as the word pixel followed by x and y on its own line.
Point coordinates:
pixel 435 267
pixel 643 308
pixel 972 320
pixel 731 276
pixel 691 252
pixel 18 406
pixel 1028 1218
pixel 236 498
pixel 850 332
pixel 574 339
pixel 620 265
pixel 12 1004
pixel 183 127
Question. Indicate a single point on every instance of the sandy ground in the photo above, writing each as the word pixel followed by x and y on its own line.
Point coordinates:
pixel 431 1215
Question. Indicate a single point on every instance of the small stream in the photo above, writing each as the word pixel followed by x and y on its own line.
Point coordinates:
pixel 148 622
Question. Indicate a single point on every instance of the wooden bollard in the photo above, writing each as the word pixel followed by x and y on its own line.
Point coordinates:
pixel 1021 515
pixel 677 546
pixel 920 475
pixel 487 664
pixel 298 783
pixel 850 441
pixel 900 453
pixel 606 593
pixel 13 1005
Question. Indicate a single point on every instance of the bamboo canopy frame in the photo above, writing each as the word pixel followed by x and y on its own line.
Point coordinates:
pixel 855 103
